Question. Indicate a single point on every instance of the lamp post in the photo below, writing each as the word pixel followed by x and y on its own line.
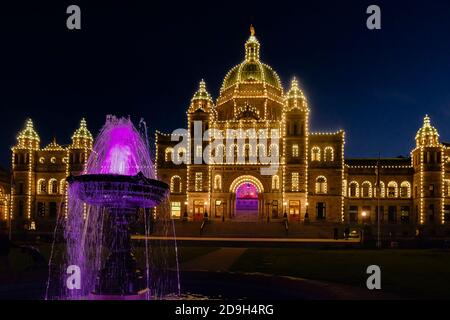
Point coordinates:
pixel 223 210
pixel 206 212
pixel 285 213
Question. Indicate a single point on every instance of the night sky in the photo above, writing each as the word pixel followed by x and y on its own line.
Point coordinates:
pixel 145 59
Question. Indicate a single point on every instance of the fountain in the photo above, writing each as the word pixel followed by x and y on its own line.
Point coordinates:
pixel 117 187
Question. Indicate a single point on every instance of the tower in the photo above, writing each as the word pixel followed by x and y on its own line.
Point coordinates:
pixel 78 152
pixel 295 131
pixel 23 170
pixel 429 173
pixel 200 114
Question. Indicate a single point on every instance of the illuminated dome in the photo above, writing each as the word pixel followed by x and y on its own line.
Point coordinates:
pixel 28 137
pixel 428 135
pixel 295 99
pixel 82 137
pixel 252 70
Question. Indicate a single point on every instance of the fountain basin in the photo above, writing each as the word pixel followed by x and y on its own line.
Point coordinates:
pixel 118 191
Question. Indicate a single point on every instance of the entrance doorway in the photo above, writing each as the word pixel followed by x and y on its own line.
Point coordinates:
pixel 246 202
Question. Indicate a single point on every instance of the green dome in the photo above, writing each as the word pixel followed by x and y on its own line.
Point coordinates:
pixel 252 69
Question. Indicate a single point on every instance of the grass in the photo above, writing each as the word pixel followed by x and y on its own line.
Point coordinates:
pixel 409 273
pixel 20 261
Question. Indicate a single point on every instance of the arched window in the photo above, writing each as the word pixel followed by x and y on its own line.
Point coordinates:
pixel 344 188
pixel 217 182
pixel 53 186
pixel 315 154
pixel 181 154
pixel 247 151
pixel 175 184
pixel 366 189
pixel 62 186
pixel 382 190
pixel 275 182
pixel 273 150
pixel 405 189
pixel 168 154
pixel 353 189
pixel 261 150
pixel 328 154
pixel 233 150
pixel 219 153
pixel 42 186
pixel 321 184
pixel 392 189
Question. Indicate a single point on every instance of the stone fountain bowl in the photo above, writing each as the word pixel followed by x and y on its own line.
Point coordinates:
pixel 118 191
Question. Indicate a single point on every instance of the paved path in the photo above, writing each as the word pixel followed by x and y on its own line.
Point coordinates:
pixel 216 261
pixel 231 239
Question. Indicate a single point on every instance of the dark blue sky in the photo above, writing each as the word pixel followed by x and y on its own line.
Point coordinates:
pixel 145 59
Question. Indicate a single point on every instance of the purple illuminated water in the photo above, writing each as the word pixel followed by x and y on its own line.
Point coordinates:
pixel 89 230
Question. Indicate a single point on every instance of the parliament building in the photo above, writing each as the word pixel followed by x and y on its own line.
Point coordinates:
pixel 313 183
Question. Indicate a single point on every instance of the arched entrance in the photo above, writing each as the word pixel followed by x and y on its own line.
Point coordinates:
pixel 247 194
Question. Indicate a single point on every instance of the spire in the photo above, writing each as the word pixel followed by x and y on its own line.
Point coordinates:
pixel 252 46
pixel 81 135
pixel 427 136
pixel 202 93
pixel 28 137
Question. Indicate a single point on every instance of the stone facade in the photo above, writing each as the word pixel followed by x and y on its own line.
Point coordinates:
pixel 314 182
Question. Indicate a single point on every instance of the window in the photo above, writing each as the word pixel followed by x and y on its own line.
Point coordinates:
pixel 175 184
pixel 315 154
pixel 392 214
pixel 447 188
pixel 382 190
pixel 168 154
pixel 20 205
pixel 353 214
pixel 275 209
pixel 431 213
pixel 53 186
pixel 181 155
pixel 344 188
pixel 42 186
pixel 447 213
pixel 431 189
pixel 321 184
pixel 366 189
pixel 198 151
pixel 379 210
pixel 273 150
pixel 62 186
pixel 404 214
pixel 21 188
pixel 198 181
pixel 405 189
pixel 40 209
pixel 175 209
pixel 328 154
pixel 295 150
pixel 294 208
pixel 321 211
pixel 295 181
pixel 52 210
pixel 275 182
pixel 353 189
pixel 392 189
pixel 219 208
pixel 217 182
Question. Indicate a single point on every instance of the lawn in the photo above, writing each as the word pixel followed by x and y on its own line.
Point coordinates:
pixel 409 273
